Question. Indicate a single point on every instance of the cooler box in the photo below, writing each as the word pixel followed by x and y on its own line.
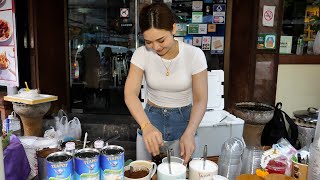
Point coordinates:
pixel 217 124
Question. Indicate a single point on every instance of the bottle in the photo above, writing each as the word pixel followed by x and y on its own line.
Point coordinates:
pixel 300 45
pixel 70 147
pixel 98 144
pixel 12 123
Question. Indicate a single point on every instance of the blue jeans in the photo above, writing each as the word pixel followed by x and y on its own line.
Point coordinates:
pixel 171 122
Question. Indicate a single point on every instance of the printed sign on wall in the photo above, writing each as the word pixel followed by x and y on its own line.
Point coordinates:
pixel 8 53
pixel 217 44
pixel 268 16
pixel 219 13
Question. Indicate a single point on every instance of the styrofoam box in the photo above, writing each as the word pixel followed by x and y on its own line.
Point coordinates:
pixel 217 124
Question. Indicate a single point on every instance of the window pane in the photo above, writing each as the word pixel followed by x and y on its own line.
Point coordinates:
pixel 101 43
pixel 300 26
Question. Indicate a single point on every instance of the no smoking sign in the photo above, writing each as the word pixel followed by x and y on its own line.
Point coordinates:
pixel 124 12
pixel 268 16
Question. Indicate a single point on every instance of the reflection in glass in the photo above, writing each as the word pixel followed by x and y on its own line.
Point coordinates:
pixel 101 43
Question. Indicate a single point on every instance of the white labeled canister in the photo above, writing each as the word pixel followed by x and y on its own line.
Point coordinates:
pixel 178 171
pixel 197 172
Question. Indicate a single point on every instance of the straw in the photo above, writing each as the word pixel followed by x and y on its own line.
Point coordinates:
pixel 27 87
pixel 85 140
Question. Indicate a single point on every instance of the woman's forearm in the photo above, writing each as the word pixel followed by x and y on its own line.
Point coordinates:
pixel 135 107
pixel 197 113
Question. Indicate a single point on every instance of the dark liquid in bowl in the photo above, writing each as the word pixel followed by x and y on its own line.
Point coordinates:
pixel 136 174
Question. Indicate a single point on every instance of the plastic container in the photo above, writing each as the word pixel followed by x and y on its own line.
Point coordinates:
pixel 277 166
pixel 251 159
pixel 230 159
pixel 12 123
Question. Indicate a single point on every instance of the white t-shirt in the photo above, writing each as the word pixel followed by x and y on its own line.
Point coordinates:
pixel 174 90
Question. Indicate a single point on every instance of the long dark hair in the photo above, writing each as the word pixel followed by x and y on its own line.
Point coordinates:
pixel 156 15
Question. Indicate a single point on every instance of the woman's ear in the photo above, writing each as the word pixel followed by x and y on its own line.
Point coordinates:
pixel 174 28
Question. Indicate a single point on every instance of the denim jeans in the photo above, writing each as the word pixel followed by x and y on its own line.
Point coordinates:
pixel 171 122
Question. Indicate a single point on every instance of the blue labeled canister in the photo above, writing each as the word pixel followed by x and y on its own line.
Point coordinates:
pixel 87 165
pixel 59 166
pixel 112 162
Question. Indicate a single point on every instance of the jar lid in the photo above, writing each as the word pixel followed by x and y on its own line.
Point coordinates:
pixel 70 145
pixel 98 144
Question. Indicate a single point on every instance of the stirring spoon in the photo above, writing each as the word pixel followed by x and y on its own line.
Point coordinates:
pixel 169 160
pixel 204 156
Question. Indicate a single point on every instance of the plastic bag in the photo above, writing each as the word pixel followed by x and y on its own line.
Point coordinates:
pixel 68 130
pixel 316 44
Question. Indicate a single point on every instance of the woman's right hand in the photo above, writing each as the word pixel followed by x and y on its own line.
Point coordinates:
pixel 152 139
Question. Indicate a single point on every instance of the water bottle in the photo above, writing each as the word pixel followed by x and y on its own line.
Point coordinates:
pixel 300 45
pixel 12 123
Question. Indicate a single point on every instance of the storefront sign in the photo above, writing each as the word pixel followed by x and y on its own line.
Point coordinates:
pixel 8 52
pixel 268 16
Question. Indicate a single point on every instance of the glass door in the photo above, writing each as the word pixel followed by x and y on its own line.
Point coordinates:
pixel 102 39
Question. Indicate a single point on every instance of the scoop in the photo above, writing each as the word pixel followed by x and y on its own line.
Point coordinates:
pixel 27 87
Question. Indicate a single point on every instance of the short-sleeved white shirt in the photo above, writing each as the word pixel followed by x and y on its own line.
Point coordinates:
pixel 174 90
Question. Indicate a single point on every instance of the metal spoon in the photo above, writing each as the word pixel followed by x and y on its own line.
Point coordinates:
pixel 169 160
pixel 204 156
pixel 131 169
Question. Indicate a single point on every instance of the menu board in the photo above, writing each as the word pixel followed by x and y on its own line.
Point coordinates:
pixel 8 45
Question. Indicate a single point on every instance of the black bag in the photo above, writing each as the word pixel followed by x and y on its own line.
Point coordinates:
pixel 276 128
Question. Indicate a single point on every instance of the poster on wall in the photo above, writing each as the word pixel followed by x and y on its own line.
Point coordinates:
pixel 217 44
pixel 8 53
pixel 219 14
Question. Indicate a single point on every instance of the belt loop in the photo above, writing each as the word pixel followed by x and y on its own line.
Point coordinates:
pixel 180 111
pixel 148 107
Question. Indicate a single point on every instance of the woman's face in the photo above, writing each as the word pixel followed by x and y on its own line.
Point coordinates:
pixel 159 40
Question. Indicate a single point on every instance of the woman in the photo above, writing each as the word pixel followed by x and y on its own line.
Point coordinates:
pixel 176 78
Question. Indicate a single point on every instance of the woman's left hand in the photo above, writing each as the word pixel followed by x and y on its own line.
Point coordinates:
pixel 187 146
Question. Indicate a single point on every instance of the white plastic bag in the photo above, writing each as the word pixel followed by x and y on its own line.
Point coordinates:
pixel 68 130
pixel 316 44
pixel 74 128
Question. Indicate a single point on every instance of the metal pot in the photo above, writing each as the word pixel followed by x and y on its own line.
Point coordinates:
pixel 309 115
